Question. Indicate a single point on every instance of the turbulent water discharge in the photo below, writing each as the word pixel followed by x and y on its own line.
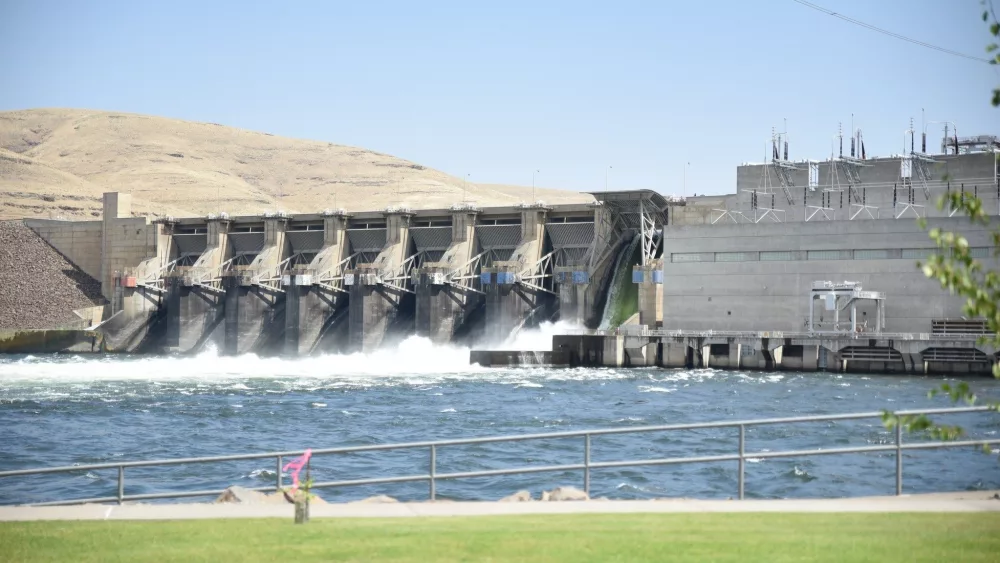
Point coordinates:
pixel 65 410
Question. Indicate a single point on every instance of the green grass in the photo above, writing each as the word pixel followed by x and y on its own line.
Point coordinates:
pixel 771 537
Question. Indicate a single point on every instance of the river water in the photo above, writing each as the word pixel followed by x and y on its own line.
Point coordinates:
pixel 65 410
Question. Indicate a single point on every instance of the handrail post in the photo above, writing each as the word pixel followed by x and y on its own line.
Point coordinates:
pixel 278 471
pixel 586 464
pixel 433 467
pixel 121 484
pixel 899 457
pixel 741 478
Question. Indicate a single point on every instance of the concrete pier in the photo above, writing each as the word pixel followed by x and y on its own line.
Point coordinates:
pixel 194 316
pixel 194 295
pixel 649 278
pixel 911 353
pixel 514 295
pixel 444 284
pixel 315 297
pixel 379 298
pixel 254 299
pixel 583 268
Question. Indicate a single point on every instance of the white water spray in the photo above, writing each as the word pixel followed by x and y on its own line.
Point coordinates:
pixel 413 356
pixel 537 339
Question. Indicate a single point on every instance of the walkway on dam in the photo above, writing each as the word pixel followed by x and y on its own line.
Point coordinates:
pixel 976 501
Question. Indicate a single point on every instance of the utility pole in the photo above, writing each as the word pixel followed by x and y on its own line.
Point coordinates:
pixel 533 184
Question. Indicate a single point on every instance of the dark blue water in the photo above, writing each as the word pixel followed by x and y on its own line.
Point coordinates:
pixel 73 410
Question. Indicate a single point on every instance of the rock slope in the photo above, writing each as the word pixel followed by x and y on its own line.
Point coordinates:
pixel 39 288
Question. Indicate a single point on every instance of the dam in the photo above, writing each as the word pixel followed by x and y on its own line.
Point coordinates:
pixel 809 265
pixel 339 281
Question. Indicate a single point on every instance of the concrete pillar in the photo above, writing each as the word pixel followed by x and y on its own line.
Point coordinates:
pixel 734 355
pixel 116 206
pixel 510 305
pixel 442 308
pixel 275 247
pixel 650 280
pixel 293 305
pixel 254 307
pixel 311 310
pixel 231 284
pixel 373 310
pixel 217 249
pixel 374 306
pixel 614 351
pixel 165 251
pixel 637 351
pixel 173 285
pixel 577 298
pixel 584 300
pixel 196 312
pixel 674 355
pixel 254 317
pixel 810 358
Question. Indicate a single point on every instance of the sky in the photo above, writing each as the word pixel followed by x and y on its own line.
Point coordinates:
pixel 497 91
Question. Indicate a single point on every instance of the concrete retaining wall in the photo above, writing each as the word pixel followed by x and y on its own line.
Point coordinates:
pixel 50 341
pixel 78 241
pixel 731 286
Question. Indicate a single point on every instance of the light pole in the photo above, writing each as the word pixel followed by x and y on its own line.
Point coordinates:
pixel 465 186
pixel 533 184
pixel 606 170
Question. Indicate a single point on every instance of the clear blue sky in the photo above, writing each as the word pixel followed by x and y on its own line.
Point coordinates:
pixel 496 90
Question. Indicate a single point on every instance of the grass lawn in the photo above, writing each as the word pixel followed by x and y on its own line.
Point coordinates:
pixel 630 537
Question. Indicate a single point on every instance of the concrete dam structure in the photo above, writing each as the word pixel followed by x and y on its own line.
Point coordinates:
pixel 339 281
pixel 792 272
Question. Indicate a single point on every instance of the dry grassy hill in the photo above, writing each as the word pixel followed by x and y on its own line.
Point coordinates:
pixel 57 162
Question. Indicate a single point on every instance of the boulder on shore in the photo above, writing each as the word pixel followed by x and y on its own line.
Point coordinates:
pixel 520 496
pixel 377 499
pixel 241 495
pixel 564 493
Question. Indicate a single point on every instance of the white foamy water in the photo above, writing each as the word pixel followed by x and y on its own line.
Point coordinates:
pixel 415 359
pixel 413 356
pixel 537 339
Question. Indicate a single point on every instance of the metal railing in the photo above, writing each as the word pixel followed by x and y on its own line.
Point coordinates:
pixel 587 466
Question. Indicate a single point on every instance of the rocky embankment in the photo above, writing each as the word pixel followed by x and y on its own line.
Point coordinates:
pixel 39 288
pixel 241 495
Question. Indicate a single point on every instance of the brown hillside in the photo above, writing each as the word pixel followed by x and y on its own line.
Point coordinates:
pixel 57 162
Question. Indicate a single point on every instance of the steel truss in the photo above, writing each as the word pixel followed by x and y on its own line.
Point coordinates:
pixel 333 279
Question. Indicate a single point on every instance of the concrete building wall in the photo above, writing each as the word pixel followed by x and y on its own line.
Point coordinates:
pixel 116 243
pixel 130 241
pixel 757 277
pixel 976 172
pixel 78 241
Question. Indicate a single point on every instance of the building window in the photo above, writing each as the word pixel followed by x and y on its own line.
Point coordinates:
pixel 690 257
pixel 777 256
pixel 871 254
pixel 825 255
pixel 918 253
pixel 980 252
pixel 735 256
